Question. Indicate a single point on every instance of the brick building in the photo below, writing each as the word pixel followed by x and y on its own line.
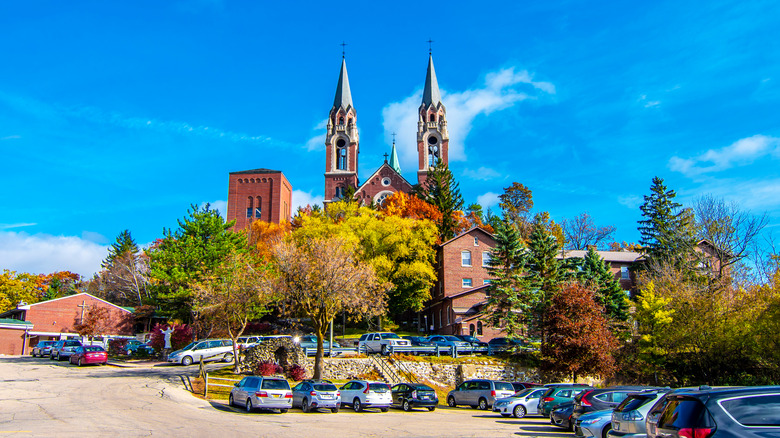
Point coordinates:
pixel 21 328
pixel 258 194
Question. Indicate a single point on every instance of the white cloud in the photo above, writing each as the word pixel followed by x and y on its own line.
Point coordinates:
pixel 220 206
pixel 18 225
pixel 44 253
pixel 302 199
pixel 756 194
pixel 631 201
pixel 741 152
pixel 317 142
pixel 94 237
pixel 487 200
pixel 10 137
pixel 500 90
pixel 648 103
pixel 482 173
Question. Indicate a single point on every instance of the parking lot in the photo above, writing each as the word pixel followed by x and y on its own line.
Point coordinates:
pixel 41 397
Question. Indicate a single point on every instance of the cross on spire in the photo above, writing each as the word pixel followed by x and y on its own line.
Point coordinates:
pixel 394 138
pixel 386 155
pixel 343 52
pixel 430 46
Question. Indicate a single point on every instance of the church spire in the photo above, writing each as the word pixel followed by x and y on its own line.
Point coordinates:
pixel 431 94
pixel 394 159
pixel 343 94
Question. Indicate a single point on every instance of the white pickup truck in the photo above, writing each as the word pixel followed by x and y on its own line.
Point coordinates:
pixel 380 342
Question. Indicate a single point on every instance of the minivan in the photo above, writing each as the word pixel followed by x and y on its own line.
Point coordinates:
pixel 479 393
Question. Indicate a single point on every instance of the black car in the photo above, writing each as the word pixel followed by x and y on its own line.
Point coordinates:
pixel 414 395
pixel 419 341
pixel 475 343
pixel 501 344
pixel 721 413
pixel 519 386
pixel 561 416
pixel 600 399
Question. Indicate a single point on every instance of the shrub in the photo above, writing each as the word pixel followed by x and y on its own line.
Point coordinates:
pixel 181 336
pixel 297 373
pixel 116 346
pixel 268 369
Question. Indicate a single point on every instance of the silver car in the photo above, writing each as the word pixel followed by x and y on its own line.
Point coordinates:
pixel 312 395
pixel 628 419
pixel 520 404
pixel 256 392
pixel 594 424
pixel 208 349
pixel 479 393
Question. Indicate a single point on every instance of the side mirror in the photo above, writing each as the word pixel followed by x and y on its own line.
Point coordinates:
pixel 236 384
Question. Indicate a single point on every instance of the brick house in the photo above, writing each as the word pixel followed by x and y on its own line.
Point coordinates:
pixel 21 328
pixel 258 194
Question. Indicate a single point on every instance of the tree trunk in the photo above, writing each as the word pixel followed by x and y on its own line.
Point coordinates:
pixel 318 364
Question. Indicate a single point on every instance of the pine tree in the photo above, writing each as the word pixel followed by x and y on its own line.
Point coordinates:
pixel 441 190
pixel 124 243
pixel 544 272
pixel 595 274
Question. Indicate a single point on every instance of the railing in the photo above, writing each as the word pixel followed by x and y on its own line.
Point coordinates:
pixel 385 369
pixel 438 350
pixel 405 371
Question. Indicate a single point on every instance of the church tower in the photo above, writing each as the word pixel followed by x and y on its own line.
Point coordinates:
pixel 341 141
pixel 432 137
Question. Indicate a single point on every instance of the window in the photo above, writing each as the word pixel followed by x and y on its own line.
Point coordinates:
pixel 440 318
pixel 476 241
pixel 465 258
pixel 339 192
pixel 258 208
pixel 487 281
pixel 479 328
pixel 466 282
pixel 249 208
pixel 341 164
pixel 471 329
pixel 341 120
pixel 624 272
pixel 485 259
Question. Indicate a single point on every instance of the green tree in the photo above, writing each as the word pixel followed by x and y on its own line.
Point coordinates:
pixel 188 256
pixel 124 243
pixel 441 190
pixel 545 272
pixel 516 203
pixel 595 273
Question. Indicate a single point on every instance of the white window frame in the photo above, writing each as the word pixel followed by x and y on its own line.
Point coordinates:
pixel 624 274
pixel 462 261
pixel 486 260
pixel 463 283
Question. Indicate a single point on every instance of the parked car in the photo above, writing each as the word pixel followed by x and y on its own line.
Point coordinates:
pixel 561 416
pixel 208 349
pixel 519 386
pixel 744 412
pixel 599 399
pixel 520 404
pixel 479 393
pixel 62 349
pixel 419 341
pixel 596 424
pixel 134 346
pixel 310 341
pixel 42 348
pixel 414 395
pixel 257 392
pixel 655 411
pixel 500 344
pixel 450 341
pixel 556 394
pixel 311 395
pixel 247 341
pixel 361 394
pixel 628 418
pixel 90 354
pixel 475 343
pixel 379 342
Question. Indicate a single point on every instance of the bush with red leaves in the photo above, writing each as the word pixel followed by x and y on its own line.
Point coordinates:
pixel 297 373
pixel 268 369
pixel 181 336
pixel 117 346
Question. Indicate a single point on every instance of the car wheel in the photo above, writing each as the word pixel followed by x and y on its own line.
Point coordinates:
pixel 384 409
pixel 384 350
pixel 451 401
pixel 356 405
pixel 186 360
pixel 80 362
pixel 228 357
pixel 51 357
pixel 305 405
pixel 605 432
pixel 482 404
pixel 249 405
pixel 519 411
pixel 282 411
pixel 334 410
pixel 406 406
pixel 33 354
pixel 230 400
pixel 431 408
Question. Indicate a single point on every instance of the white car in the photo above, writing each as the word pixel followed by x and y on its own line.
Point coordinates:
pixel 520 404
pixel 380 342
pixel 208 349
pixel 362 394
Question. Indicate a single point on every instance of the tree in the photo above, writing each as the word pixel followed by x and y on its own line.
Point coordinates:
pixel 239 290
pixel 594 272
pixel 187 256
pixel 263 236
pixel 516 203
pixel 544 272
pixel 441 190
pixel 320 278
pixel 125 281
pixel 408 206
pixel 581 232
pixel 578 337
pixel 95 322
pixel 16 288
pixel 667 231
pixel 124 243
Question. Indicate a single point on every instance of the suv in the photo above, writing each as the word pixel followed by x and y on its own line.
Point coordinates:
pixel 380 342
pixel 479 393
pixel 558 393
pixel 311 395
pixel 719 413
pixel 628 418
pixel 601 399
pixel 209 349
pixel 362 394
pixel 43 348
pixel 62 350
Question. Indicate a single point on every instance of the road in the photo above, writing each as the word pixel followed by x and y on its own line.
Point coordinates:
pixel 39 397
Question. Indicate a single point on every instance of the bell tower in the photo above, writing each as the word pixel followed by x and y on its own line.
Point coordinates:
pixel 432 136
pixel 341 141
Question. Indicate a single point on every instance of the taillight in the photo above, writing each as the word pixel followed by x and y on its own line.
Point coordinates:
pixel 493 393
pixel 414 394
pixel 696 432
pixel 261 394
pixel 288 395
pixel 584 401
pixel 313 394
pixel 548 399
pixel 365 391
pixel 338 394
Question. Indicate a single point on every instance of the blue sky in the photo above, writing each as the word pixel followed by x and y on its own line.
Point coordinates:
pixel 117 116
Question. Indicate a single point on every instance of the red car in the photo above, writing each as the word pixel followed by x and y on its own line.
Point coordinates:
pixel 89 354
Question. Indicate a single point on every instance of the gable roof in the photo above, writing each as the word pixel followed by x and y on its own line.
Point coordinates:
pixel 82 294
pixel 467 232
pixel 610 256
pixel 376 173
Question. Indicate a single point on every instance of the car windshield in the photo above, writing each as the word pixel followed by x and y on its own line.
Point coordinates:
pixel 452 338
pixel 189 346
pixel 390 336
pixel 504 386
pixel 275 384
pixel 420 387
pixel 93 348
pixel 634 402
pixel 324 387
pixel 470 339
pixel 378 387
pixel 523 393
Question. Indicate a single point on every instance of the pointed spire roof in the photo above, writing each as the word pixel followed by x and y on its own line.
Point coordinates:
pixel 343 94
pixel 394 160
pixel 431 94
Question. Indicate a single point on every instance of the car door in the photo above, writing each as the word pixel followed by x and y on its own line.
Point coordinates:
pixel 298 391
pixel 239 395
pixel 399 392
pixel 531 402
pixel 346 392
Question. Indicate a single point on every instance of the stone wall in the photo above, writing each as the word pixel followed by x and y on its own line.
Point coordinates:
pixel 282 351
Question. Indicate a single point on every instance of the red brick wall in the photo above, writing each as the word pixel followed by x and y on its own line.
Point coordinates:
pixel 11 341
pixel 452 272
pixel 273 189
pixel 373 186
pixel 59 316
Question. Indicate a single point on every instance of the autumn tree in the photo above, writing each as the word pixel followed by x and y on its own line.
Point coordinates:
pixel 581 232
pixel 18 287
pixel 442 190
pixel 579 341
pixel 238 290
pixel 516 203
pixel 96 322
pixel 263 236
pixel 409 206
pixel 125 281
pixel 321 278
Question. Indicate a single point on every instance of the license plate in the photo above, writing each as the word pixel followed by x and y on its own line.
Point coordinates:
pixel 616 425
pixel 326 396
pixel 276 395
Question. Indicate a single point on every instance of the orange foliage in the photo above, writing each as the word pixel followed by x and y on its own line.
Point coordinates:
pixel 410 206
pixel 264 236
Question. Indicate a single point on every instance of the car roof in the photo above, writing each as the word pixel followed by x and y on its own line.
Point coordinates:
pixel 707 392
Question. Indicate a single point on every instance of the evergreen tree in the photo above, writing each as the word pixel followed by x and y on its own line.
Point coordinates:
pixel 667 231
pixel 544 271
pixel 441 190
pixel 124 243
pixel 595 274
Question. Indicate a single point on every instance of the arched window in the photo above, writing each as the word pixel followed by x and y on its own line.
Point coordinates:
pixel 258 207
pixel 432 117
pixel 471 329
pixel 341 154
pixel 479 328
pixel 341 120
pixel 249 207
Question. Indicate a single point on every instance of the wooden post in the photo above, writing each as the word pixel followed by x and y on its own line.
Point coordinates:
pixel 205 385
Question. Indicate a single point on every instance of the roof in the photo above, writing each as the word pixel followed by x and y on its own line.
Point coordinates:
pixel 467 232
pixel 74 296
pixel 431 93
pixel 467 292
pixel 261 170
pixel 394 163
pixel 368 180
pixel 610 256
pixel 14 323
pixel 343 97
